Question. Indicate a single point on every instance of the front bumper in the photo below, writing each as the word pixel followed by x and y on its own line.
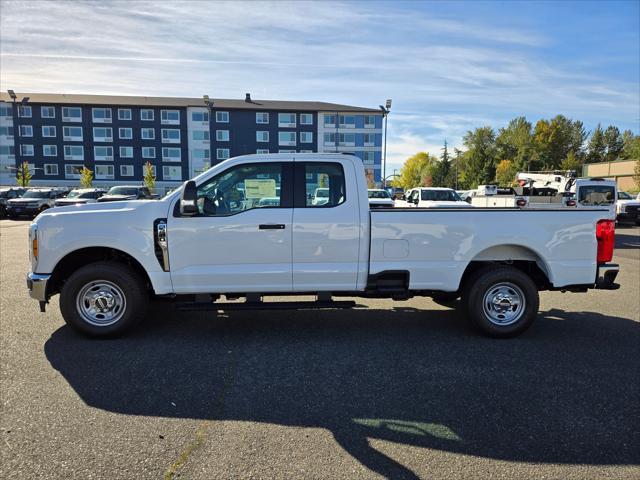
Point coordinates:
pixel 37 285
pixel 606 276
pixel 20 210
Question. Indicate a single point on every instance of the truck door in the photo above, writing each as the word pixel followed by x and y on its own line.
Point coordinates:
pixel 240 241
pixel 326 230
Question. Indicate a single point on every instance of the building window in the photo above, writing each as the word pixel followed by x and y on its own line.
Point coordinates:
pixel 286 151
pixel 171 173
pixel 222 117
pixel 222 153
pixel 124 114
pixel 170 117
pixel 347 140
pixel 50 169
pixel 101 115
pixel 6 111
pixel 368 157
pixel 6 132
pixel 102 134
pixel 126 170
pixel 26 150
pixel 200 116
pixel 71 114
pixel 202 135
pixel 72 171
pixel 329 120
pixel 24 111
pixel 47 112
pixel 329 139
pixel 147 133
pixel 170 135
pixel 222 135
pixel 146 114
pixel 50 150
pixel 369 121
pixel 262 151
pixel 262 117
pixel 347 121
pixel 125 133
pixel 287 120
pixel 369 139
pixel 104 172
pixel 126 152
pixel 262 136
pixel 171 154
pixel 306 137
pixel 148 152
pixel 72 133
pixel 287 138
pixel 103 153
pixel 48 131
pixel 73 152
pixel 201 154
pixel 26 131
pixel 306 119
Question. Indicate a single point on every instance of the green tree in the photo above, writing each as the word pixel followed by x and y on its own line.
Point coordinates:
pixel 414 169
pixel 630 145
pixel 572 162
pixel 597 147
pixel 613 142
pixel 636 173
pixel 554 139
pixel 149 177
pixel 506 173
pixel 23 174
pixel 515 142
pixel 479 159
pixel 86 178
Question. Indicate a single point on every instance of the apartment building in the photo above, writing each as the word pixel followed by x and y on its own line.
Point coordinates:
pixel 114 136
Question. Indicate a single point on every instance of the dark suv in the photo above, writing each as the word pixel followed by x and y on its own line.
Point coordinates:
pixel 126 192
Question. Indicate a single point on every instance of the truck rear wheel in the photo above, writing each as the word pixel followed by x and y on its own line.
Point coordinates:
pixel 103 299
pixel 501 301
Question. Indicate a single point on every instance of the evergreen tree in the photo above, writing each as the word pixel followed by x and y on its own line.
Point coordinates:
pixel 597 148
pixel 613 142
pixel 480 156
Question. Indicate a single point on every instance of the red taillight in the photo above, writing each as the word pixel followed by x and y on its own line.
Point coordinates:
pixel 605 234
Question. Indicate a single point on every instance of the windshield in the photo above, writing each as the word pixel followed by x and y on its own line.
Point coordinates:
pixel 73 194
pixel 123 191
pixel 595 195
pixel 4 194
pixel 624 196
pixel 37 194
pixel 440 196
pixel 378 194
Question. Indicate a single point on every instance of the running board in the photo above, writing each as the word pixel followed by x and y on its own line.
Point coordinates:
pixel 226 306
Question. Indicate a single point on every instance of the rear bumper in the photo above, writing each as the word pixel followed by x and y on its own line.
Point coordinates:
pixel 606 276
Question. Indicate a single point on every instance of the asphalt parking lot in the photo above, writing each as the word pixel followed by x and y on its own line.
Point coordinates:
pixel 395 390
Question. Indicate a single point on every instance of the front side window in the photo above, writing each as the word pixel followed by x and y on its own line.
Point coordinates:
pixel 47 112
pixel 124 114
pixel 222 135
pixel 262 117
pixel 222 117
pixel 146 114
pixel 324 185
pixel 241 188
pixel 287 120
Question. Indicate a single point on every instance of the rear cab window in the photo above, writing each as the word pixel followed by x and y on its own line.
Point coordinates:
pixel 596 195
pixel 319 185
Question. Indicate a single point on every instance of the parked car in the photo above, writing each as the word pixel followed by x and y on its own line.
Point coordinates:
pixel 435 197
pixel 108 261
pixel 34 201
pixel 7 194
pixel 627 208
pixel 398 193
pixel 379 198
pixel 80 196
pixel 126 192
pixel 320 196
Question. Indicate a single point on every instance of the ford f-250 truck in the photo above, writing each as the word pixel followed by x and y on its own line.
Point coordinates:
pixel 216 237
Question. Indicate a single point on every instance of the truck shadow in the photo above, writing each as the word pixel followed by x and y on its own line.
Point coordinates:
pixel 565 392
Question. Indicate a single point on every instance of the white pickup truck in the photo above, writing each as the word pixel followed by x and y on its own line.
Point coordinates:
pixel 215 238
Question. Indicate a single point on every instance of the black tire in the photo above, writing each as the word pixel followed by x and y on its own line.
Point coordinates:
pixel 505 285
pixel 105 281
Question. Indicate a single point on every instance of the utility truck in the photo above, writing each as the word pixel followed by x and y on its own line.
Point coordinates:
pixel 203 250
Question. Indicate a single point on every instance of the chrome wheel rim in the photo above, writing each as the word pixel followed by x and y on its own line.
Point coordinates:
pixel 504 304
pixel 101 303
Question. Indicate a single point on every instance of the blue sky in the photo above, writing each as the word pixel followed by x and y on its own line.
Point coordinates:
pixel 448 66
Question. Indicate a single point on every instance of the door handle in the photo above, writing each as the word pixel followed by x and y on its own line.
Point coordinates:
pixel 271 226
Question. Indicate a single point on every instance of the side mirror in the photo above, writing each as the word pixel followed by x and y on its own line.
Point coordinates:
pixel 188 199
pixel 416 200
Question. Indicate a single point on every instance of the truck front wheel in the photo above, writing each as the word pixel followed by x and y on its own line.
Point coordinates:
pixel 501 301
pixel 103 299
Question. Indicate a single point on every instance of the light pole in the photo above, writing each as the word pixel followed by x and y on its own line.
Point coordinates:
pixel 385 114
pixel 209 103
pixel 17 152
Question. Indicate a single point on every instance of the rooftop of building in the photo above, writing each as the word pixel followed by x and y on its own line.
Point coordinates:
pixel 218 103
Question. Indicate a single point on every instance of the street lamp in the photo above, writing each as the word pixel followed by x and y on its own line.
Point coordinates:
pixel 16 145
pixel 385 113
